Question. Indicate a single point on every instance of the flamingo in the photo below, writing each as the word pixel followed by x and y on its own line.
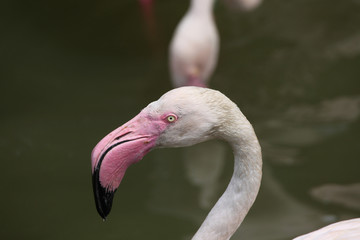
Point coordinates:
pixel 182 117
pixel 194 47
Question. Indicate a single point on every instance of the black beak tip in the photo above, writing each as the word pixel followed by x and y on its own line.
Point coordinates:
pixel 103 197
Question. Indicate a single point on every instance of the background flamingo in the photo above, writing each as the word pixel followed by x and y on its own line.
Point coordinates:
pixel 183 117
pixel 194 48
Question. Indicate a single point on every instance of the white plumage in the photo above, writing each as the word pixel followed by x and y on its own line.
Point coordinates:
pixel 344 230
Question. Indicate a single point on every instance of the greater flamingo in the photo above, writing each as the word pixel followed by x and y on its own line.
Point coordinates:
pixel 195 45
pixel 183 117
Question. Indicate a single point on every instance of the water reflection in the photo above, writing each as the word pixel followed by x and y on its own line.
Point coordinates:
pixel 342 195
pixel 204 165
pixel 343 109
pixel 301 126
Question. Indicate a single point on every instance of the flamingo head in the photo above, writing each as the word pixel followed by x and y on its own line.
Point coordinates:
pixel 181 117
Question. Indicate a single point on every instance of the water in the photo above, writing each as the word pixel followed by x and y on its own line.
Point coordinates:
pixel 74 71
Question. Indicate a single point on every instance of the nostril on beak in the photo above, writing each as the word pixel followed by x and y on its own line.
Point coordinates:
pixel 123 135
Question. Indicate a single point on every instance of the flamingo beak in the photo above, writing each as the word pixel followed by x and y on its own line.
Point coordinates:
pixel 111 157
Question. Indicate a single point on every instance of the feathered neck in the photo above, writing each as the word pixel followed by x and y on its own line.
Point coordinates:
pixel 230 210
pixel 201 7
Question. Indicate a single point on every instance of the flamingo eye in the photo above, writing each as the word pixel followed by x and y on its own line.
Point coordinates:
pixel 171 118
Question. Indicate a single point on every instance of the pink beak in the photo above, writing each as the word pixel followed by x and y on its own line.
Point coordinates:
pixel 111 157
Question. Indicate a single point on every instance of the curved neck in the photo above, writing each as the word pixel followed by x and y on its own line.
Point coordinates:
pixel 230 210
pixel 201 7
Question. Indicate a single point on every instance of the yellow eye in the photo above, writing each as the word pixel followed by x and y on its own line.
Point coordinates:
pixel 171 118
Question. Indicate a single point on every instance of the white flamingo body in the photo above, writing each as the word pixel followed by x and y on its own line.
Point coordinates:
pixel 195 46
pixel 182 117
pixel 344 230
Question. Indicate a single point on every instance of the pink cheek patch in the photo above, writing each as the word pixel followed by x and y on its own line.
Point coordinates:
pixel 119 157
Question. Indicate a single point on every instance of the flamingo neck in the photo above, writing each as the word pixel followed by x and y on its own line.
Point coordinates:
pixel 201 7
pixel 230 210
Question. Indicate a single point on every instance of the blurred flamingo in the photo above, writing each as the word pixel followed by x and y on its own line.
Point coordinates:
pixel 195 45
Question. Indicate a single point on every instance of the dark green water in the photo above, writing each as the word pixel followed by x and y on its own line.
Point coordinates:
pixel 72 71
